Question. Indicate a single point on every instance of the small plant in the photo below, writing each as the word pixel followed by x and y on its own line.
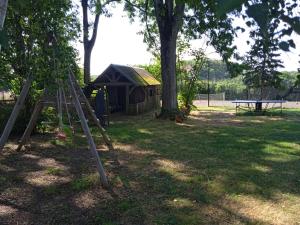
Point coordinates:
pixel 85 183
pixel 54 171
pixel 52 190
pixel 125 205
pixel 3 180
pixel 189 84
pixel 99 219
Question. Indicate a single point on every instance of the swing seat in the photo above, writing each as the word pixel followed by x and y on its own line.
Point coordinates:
pixel 61 136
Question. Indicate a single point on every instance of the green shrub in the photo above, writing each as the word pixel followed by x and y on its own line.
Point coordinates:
pixel 53 171
pixel 85 183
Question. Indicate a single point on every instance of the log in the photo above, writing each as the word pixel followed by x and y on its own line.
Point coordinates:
pixel 16 110
pixel 87 133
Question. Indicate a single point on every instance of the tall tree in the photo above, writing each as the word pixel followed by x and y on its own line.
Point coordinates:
pixel 262 59
pixel 96 7
pixel 265 20
pixel 39 43
pixel 164 20
pixel 169 18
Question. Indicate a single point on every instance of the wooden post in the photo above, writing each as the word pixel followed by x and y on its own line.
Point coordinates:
pixel 13 116
pixel 92 114
pixel 127 99
pixel 3 9
pixel 88 134
pixel 31 125
pixel 208 88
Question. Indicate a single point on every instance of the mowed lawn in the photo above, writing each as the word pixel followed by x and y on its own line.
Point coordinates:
pixel 215 168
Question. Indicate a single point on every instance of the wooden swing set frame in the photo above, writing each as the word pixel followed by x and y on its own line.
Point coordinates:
pixel 78 99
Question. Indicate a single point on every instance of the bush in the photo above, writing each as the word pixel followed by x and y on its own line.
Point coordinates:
pixel 23 118
pixel 21 122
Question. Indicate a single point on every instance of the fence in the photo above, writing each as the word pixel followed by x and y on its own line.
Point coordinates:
pixel 6 96
pixel 270 94
pixel 216 97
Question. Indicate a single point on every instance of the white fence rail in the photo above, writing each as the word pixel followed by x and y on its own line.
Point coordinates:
pixel 216 97
pixel 6 96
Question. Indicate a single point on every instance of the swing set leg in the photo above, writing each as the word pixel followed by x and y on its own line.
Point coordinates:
pixel 88 134
pixel 31 125
pixel 17 108
pixel 106 138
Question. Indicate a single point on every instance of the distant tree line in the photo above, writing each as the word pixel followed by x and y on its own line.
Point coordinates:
pixel 221 80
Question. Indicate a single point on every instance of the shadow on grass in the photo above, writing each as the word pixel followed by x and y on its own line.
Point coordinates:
pixel 193 173
pixel 204 166
pixel 56 184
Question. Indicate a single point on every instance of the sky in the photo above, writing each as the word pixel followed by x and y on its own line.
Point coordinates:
pixel 118 42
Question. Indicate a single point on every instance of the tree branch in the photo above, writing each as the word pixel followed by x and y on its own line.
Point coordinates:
pixel 169 8
pixel 178 16
pixel 108 2
pixel 147 25
pixel 85 22
pixel 92 40
pixel 95 29
pixel 135 6
pixel 158 7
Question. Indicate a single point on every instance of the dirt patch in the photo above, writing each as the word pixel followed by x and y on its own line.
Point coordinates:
pixel 45 184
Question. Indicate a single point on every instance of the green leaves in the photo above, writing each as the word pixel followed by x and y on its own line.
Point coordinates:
pixel 259 12
pixel 262 60
pixel 292 43
pixel 294 22
pixel 284 46
pixel 29 44
pixel 225 6
pixel 287 32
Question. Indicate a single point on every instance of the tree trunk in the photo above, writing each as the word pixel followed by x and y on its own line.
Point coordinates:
pixel 88 43
pixel 169 19
pixel 87 65
pixel 168 72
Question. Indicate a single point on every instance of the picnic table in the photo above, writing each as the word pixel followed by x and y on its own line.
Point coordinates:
pixel 257 105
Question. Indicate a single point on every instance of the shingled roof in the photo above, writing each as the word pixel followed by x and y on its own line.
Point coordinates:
pixel 137 76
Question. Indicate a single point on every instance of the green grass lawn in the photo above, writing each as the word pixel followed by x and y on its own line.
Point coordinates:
pixel 215 168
